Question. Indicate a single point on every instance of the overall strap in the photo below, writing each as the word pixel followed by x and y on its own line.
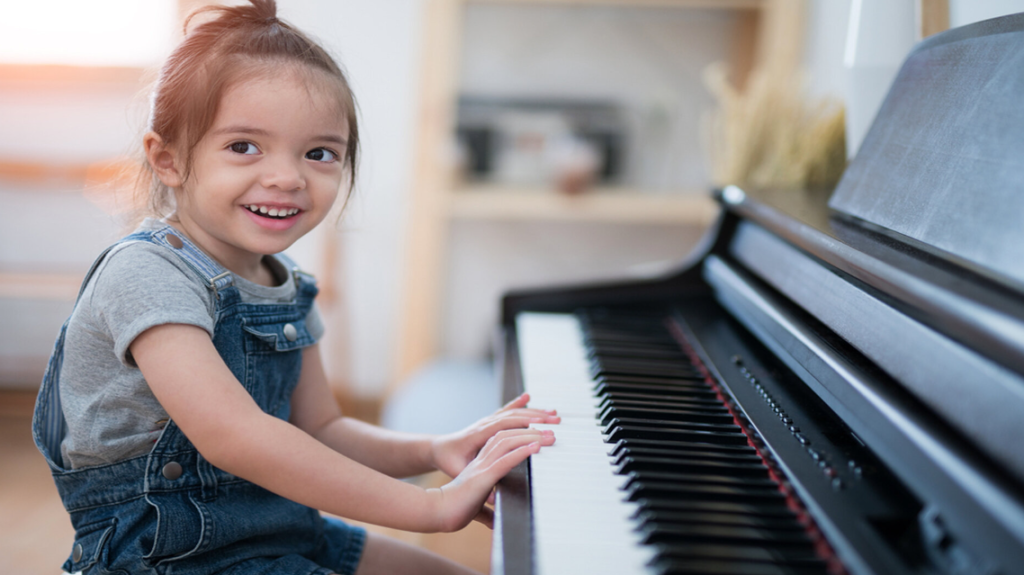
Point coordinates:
pixel 302 278
pixel 217 278
pixel 50 427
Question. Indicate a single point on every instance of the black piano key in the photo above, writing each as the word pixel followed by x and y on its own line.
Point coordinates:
pixel 797 557
pixel 696 383
pixel 662 399
pixel 669 391
pixel 623 362
pixel 683 566
pixel 684 480
pixel 663 490
pixel 626 362
pixel 600 336
pixel 633 422
pixel 654 517
pixel 689 418
pixel 647 417
pixel 686 455
pixel 638 351
pixel 666 371
pixel 673 434
pixel 777 509
pixel 624 445
pixel 698 484
pixel 635 463
pixel 650 348
pixel 643 400
pixel 723 534
pixel 698 416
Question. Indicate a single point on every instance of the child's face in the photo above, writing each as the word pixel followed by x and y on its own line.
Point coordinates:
pixel 276 146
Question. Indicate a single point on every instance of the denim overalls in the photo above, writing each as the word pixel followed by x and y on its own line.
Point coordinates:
pixel 171 511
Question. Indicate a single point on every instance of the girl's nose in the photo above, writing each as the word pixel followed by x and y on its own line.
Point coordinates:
pixel 283 174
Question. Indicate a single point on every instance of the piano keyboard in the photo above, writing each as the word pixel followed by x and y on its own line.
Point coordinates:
pixel 650 472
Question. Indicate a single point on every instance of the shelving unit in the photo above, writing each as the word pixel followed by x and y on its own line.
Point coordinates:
pixel 768 34
pixel 505 203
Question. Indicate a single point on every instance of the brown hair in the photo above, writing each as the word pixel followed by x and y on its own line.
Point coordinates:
pixel 236 42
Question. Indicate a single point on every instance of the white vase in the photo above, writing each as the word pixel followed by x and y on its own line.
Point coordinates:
pixel 880 35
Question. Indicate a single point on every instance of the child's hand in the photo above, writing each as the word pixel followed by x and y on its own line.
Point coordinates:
pixel 452 453
pixel 463 499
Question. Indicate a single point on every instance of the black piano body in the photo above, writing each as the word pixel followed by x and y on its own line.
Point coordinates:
pixel 885 321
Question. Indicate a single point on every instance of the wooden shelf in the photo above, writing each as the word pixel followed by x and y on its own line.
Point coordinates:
pixel 767 35
pixel 39 286
pixel 616 205
pixel 24 171
pixel 713 4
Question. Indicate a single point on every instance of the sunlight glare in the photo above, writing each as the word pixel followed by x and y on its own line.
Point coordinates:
pixel 87 33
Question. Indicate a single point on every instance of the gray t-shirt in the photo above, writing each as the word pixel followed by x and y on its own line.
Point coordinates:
pixel 110 411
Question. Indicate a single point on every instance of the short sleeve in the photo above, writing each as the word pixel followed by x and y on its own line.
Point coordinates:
pixel 142 286
pixel 315 322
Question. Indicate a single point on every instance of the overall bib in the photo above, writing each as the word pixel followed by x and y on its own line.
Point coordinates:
pixel 172 512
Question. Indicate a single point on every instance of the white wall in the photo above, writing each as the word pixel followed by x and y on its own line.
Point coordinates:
pixel 963 12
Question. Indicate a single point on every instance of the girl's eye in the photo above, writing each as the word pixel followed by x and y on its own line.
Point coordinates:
pixel 244 148
pixel 321 155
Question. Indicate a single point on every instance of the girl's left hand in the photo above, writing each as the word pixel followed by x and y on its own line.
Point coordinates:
pixel 451 453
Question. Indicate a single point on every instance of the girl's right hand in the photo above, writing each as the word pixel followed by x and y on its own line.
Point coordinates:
pixel 464 498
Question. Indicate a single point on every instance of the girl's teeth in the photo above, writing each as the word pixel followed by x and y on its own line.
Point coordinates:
pixel 273 212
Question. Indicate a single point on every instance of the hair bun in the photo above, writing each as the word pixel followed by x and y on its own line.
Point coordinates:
pixel 255 12
pixel 260 11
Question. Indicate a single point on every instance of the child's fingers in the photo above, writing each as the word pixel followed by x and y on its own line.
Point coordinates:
pixel 509 439
pixel 512 423
pixel 527 412
pixel 506 442
pixel 520 401
pixel 530 415
pixel 506 460
pixel 485 516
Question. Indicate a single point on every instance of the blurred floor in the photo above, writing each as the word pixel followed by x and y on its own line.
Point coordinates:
pixel 36 535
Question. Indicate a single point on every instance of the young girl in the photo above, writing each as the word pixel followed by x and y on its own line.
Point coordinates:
pixel 185 413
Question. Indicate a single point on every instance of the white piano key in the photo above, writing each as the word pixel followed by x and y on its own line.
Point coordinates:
pixel 580 516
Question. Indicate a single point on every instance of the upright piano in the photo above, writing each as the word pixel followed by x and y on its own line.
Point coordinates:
pixel 833 383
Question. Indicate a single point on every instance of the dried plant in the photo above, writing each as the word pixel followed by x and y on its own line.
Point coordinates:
pixel 771 135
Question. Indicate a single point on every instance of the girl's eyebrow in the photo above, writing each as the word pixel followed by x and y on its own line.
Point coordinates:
pixel 333 138
pixel 241 130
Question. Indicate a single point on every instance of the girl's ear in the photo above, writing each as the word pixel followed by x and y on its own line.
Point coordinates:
pixel 163 159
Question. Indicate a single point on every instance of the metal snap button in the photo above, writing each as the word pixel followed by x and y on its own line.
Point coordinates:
pixel 77 552
pixel 290 333
pixel 175 241
pixel 172 470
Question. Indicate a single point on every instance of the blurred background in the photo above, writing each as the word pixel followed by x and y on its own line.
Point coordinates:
pixel 506 144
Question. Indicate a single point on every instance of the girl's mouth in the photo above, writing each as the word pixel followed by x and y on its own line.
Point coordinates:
pixel 271 212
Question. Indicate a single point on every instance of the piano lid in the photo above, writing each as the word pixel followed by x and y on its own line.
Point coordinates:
pixel 943 163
